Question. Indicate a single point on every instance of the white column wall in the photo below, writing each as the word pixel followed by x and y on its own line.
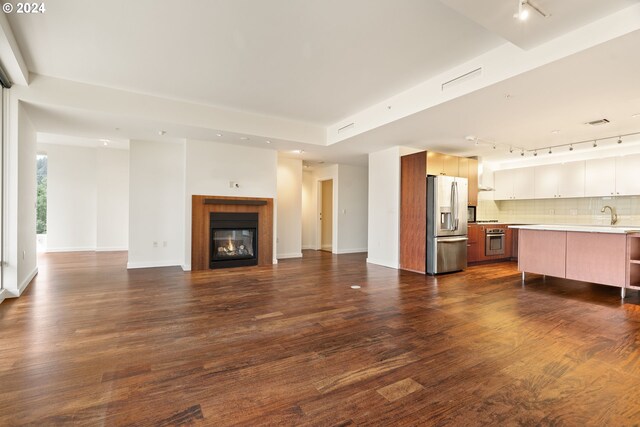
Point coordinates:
pixel 289 237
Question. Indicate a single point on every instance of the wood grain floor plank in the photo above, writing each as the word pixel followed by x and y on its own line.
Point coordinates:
pixel 92 343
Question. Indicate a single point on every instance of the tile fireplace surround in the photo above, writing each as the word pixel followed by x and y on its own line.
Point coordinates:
pixel 203 206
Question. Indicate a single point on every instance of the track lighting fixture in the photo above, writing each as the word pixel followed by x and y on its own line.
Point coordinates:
pixel 550 150
pixel 571 148
pixel 535 153
pixel 619 140
pixel 511 149
pixel 595 143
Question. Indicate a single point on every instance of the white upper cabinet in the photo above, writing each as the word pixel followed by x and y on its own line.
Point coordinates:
pixel 628 175
pixel 571 179
pixel 523 183
pixel 512 184
pixel 609 176
pixel 600 177
pixel 546 181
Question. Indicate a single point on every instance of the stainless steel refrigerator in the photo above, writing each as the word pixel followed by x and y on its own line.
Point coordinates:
pixel 446 224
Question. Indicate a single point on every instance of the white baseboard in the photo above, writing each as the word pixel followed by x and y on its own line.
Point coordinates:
pixel 275 261
pixel 76 249
pixel 112 249
pixel 290 255
pixel 88 249
pixel 186 267
pixel 152 264
pixel 26 281
pixel 351 251
pixel 326 247
pixel 3 295
pixel 308 247
pixel 382 263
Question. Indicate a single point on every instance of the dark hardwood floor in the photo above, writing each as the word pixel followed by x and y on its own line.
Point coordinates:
pixel 91 343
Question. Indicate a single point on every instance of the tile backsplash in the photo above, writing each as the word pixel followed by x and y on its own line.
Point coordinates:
pixel 585 210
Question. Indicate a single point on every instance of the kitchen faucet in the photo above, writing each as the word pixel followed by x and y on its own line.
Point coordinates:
pixel 614 216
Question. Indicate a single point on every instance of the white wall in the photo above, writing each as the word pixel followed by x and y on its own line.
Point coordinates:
pixel 71 197
pixel 19 213
pixel 352 209
pixel 384 206
pixel 27 266
pixel 87 198
pixel 210 166
pixel 289 237
pixel 350 190
pixel 112 189
pixel 308 210
pixel 156 209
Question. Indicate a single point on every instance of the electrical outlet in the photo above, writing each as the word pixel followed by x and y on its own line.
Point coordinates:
pixel 155 244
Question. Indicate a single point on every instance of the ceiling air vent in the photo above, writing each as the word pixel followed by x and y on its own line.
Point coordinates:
pixel 598 122
pixel 346 127
pixel 462 78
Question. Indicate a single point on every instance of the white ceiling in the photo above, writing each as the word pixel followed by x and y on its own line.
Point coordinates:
pixel 319 61
pixel 562 16
pixel 315 60
pixel 601 82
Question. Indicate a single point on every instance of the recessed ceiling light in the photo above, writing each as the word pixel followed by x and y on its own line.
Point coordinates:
pixel 268 142
pixel 244 138
pixel 298 151
pixel 162 132
pixel 635 116
pixel 218 134
pixel 555 131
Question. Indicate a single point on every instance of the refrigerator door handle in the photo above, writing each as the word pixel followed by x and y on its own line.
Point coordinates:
pixel 454 240
pixel 455 205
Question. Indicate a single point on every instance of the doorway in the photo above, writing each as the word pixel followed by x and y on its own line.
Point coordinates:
pixel 326 215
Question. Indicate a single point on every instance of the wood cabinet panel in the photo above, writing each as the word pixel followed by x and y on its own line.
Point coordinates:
pixel 473 244
pixel 435 163
pixel 542 252
pixel 450 166
pixel 472 176
pixel 597 258
pixel 413 212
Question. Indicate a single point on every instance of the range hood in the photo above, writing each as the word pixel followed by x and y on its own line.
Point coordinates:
pixel 482 186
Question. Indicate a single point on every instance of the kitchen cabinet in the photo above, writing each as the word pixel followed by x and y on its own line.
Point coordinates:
pixel 468 168
pixel 600 177
pixel 560 180
pixel 514 184
pixel 442 164
pixel 627 182
pixel 473 244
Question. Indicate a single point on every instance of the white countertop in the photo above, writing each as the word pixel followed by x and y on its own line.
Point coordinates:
pixel 581 228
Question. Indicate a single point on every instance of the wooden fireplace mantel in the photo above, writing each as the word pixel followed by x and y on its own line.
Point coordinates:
pixel 202 206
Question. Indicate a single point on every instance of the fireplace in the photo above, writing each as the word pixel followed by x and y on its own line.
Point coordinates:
pixel 234 239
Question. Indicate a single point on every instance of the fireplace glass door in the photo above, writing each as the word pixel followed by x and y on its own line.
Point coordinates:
pixel 233 244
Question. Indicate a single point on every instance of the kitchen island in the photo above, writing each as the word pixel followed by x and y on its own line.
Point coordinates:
pixel 605 255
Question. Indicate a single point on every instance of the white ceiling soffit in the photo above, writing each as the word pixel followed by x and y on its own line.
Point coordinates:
pixel 51 138
pixel 600 82
pixel 311 61
pixel 563 17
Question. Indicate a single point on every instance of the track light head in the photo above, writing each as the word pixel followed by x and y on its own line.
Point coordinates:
pixel 595 144
pixel 550 150
pixel 571 148
pixel 511 149
pixel 522 153
pixel 535 153
pixel 619 140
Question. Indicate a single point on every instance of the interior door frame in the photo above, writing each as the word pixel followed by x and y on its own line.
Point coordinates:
pixel 318 245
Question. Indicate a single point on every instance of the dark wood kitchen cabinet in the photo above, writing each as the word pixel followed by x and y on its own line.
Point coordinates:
pixel 473 244
pixel 476 253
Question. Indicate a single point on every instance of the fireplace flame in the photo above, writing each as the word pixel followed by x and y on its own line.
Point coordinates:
pixel 230 245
